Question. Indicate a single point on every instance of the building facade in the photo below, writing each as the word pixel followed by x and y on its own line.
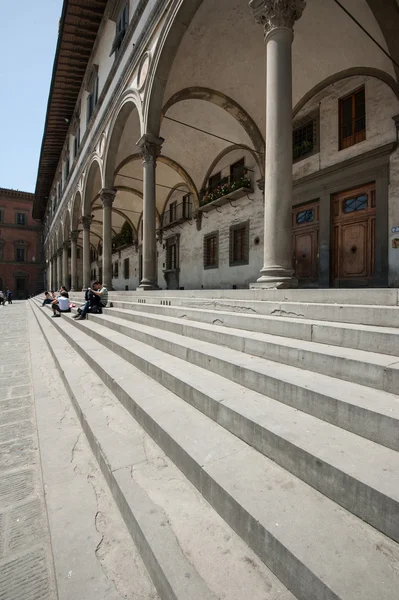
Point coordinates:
pixel 200 144
pixel 21 245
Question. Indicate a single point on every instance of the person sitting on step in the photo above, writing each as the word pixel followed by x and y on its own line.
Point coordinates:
pixel 97 299
pixel 61 304
pixel 47 299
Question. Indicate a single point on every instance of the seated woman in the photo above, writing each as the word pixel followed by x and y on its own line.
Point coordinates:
pixel 61 305
pixel 47 298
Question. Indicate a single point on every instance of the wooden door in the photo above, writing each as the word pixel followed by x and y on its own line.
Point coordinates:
pixel 305 243
pixel 354 237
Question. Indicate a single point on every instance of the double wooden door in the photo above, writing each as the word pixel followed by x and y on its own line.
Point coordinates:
pixel 305 243
pixel 353 232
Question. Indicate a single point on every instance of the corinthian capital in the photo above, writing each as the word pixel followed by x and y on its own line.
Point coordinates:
pixel 107 197
pixel 85 222
pixel 150 147
pixel 273 14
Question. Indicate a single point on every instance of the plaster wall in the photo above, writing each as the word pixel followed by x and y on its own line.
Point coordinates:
pixel 381 106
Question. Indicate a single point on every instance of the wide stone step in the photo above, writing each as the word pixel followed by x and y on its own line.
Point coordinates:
pixel 183 541
pixel 378 315
pixel 293 439
pixel 379 371
pixel 317 548
pixel 362 314
pixel 382 296
pixel 369 413
pixel 382 340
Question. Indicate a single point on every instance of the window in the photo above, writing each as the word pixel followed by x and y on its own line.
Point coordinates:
pixel 237 171
pixel 304 138
pixel 1 251
pixel 92 98
pixel 214 180
pixel 126 268
pixel 120 31
pixel 78 252
pixel 172 212
pixel 59 191
pixel 116 270
pixel 305 216
pixel 355 204
pixel 352 119
pixel 239 244
pixel 186 207
pixel 1 215
pixel 172 254
pixel 20 254
pixel 21 219
pixel 211 250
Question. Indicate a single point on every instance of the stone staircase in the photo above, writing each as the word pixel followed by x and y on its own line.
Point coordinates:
pixel 278 407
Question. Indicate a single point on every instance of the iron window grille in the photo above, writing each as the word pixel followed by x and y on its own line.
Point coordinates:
pixel 211 250
pixel 239 244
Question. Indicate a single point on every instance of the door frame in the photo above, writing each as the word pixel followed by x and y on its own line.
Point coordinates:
pixel 352 218
pixel 372 166
pixel 303 229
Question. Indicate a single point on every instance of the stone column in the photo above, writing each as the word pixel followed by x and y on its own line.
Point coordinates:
pixel 107 198
pixel 65 264
pixel 74 261
pixel 59 268
pixel 86 251
pixel 54 274
pixel 50 274
pixel 150 149
pixel 278 18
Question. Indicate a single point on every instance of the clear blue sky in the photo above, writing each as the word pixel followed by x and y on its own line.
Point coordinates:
pixel 28 37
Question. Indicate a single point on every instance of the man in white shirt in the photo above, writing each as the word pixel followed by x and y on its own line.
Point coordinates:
pixel 61 304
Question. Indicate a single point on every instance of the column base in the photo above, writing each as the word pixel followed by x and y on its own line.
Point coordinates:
pixel 275 278
pixel 147 285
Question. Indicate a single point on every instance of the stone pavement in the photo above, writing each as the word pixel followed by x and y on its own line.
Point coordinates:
pixel 26 563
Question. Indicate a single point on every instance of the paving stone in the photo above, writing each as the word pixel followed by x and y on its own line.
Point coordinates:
pixel 16 431
pixel 26 525
pixel 25 578
pixel 18 453
pixel 18 390
pixel 15 487
pixel 26 569
pixel 16 415
pixel 12 403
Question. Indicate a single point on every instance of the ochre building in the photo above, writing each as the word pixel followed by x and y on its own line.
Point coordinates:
pixel 202 144
pixel 21 245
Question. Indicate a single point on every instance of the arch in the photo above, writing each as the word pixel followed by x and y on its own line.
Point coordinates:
pixel 227 151
pixel 129 102
pixel 170 163
pixel 172 191
pixel 118 212
pixel 228 104
pixel 76 211
pixel 386 14
pixel 174 28
pixel 177 23
pixel 345 74
pixel 93 170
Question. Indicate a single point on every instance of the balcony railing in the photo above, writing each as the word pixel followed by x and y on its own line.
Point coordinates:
pixel 228 188
pixel 177 213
